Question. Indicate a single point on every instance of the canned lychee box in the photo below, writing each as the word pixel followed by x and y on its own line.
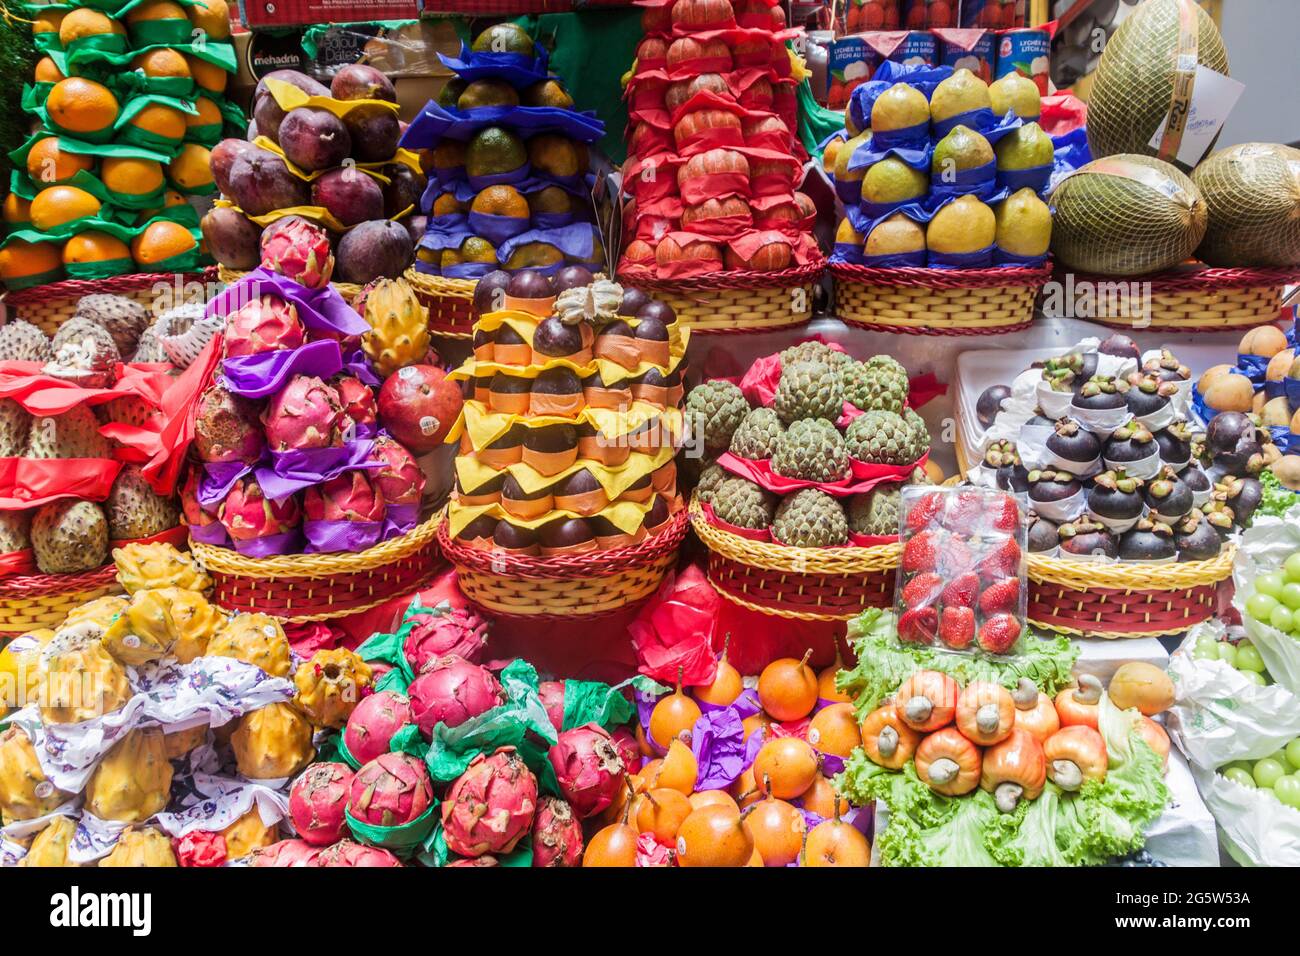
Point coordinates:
pixel 928 14
pixel 860 15
pixel 852 62
pixel 1026 52
pixel 993 14
pixel 974 50
pixel 911 47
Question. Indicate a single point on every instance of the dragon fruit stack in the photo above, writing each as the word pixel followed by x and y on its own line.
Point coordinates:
pixel 290 455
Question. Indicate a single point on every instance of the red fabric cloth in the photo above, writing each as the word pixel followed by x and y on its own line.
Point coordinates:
pixel 167 452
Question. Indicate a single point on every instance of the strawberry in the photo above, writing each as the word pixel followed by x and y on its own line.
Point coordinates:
pixel 1000 597
pixel 961 591
pixel 921 553
pixel 1003 561
pixel 923 512
pixel 964 511
pixel 957 627
pixel 922 589
pixel 1004 514
pixel 956 557
pixel 918 625
pixel 999 633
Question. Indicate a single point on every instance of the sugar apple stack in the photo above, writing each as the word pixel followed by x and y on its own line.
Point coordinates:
pixel 800 437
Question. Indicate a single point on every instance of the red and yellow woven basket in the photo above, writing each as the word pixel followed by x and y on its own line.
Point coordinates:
pixel 450 303
pixel 937 301
pixel 735 301
pixel 32 601
pixel 565 586
pixel 49 306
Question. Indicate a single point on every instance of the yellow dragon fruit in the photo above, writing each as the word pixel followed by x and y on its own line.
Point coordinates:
pixel 25 793
pixel 158 565
pixel 330 685
pixel 19 683
pixel 147 846
pixel 134 780
pixel 79 679
pixel 255 639
pixel 272 743
pixel 161 621
pixel 180 742
pixel 247 834
pixel 100 611
pixel 50 848
pixel 399 325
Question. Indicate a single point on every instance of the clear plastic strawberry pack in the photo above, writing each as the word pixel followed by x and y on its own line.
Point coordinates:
pixel 961 578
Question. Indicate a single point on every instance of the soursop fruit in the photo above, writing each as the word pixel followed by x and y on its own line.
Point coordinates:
pixel 91 337
pixel 711 477
pixel 885 438
pixel 740 502
pixel 811 450
pixel 15 531
pixel 23 342
pixel 130 410
pixel 757 435
pixel 878 384
pixel 15 429
pixel 74 434
pixel 809 390
pixel 714 410
pixel 122 318
pixel 810 519
pixel 69 536
pixel 135 510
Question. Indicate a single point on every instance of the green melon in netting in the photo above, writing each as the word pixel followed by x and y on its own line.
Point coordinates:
pixel 1126 215
pixel 1134 83
pixel 1252 194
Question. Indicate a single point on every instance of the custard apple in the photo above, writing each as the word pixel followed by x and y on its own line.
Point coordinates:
pixel 876 512
pixel 740 502
pixel 810 519
pixel 757 436
pixel 809 390
pixel 135 510
pixel 881 386
pixel 885 438
pixel 711 477
pixel 15 429
pixel 812 450
pixel 814 351
pixel 23 342
pixel 93 338
pixel 714 410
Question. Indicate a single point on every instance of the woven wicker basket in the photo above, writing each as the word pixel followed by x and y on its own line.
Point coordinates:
pixel 449 301
pixel 937 301
pixel 316 587
pixel 1124 600
pixel 1196 299
pixel 349 290
pixel 567 586
pixel 806 584
pixel 735 301
pixel 49 306
pixel 31 601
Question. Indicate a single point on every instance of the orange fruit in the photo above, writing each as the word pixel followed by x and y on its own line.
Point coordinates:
pixel 160 241
pixel 82 106
pixel 56 205
pixel 48 21
pixel 84 22
pixel 132 177
pixel 165 121
pixel 20 259
pixel 209 114
pixel 212 17
pixel 17 209
pixel 191 169
pixel 94 246
pixel 208 77
pixel 47 164
pixel 156 10
pixel 163 61
pixel 447 204
pixel 47 71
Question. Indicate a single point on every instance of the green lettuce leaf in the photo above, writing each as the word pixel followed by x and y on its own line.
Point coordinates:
pixel 1277 499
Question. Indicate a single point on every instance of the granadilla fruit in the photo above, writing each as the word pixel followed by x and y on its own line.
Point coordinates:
pixel 557 834
pixel 272 743
pixel 392 790
pixel 1196 539
pixel 256 639
pixel 491 806
pixel 72 661
pixel 143 846
pixel 299 250
pixel 25 792
pixel 1242 495
pixel 990 402
pixel 461 632
pixel 588 768
pixel 373 722
pixel 358 400
pixel 350 853
pixel 1175 444
pixel 1053 493
pixel 808 390
pixel 1102 393
pixel 264 324
pixel 1087 539
pixel 226 428
pixel 1167 368
pixel 1150 399
pixel 1115 499
pixel 450 690
pixel 401 480
pixel 248 515
pixel 133 781
pixel 714 410
pixel 1041 534
pixel 1128 445
pixel 285 853
pixel 317 799
pixel 1148 540
pixel 305 414
pixel 329 685
pixel 1167 496
pixel 1075 448
pixel 350 496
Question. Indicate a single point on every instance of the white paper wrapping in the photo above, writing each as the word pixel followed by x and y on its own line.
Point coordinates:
pixel 1100 421
pixel 214 802
pixel 1117 525
pixel 1066 509
pixel 1145 468
pixel 1054 404
pixel 1159 419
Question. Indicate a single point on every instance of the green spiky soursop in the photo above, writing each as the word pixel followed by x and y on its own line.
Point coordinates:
pixel 69 536
pixel 740 502
pixel 757 436
pixel 809 390
pixel 811 450
pixel 878 384
pixel 810 519
pixel 124 319
pixel 135 510
pixel 15 429
pixel 74 434
pixel 714 410
pixel 885 438
pixel 711 477
pixel 23 342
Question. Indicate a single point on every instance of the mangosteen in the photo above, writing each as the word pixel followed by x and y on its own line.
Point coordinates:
pixel 506 335
pixel 673 378
pixel 480 527
pixel 1219 516
pixel 1175 444
pixel 1087 539
pixel 1242 495
pixel 1041 535
pixel 1039 419
pixel 634 300
pixel 514 538
pixel 1014 478
pixel 1168 496
pixel 1129 443
pixel 1052 487
pixel 1120 346
pixel 1167 368
pixel 557 381
pixel 555 339
pixel 1102 393
pixel 580 482
pixel 489 292
pixel 1196 539
pixel 503 384
pixel 1071 443
pixel 1148 541
pixel 1225 431
pixel 565 533
pixel 1194 477
pixel 514 491
pixel 650 328
pixel 513 438
pixel 658 512
pixel 548 439
pixel 1060 378
pixel 1149 396
pixel 1116 497
pixel 1081 366
pixel 468 385
pixel 655 309
pixel 572 277
pixel 1245 457
pixel 491 486
pixel 529 284
pixel 617 327
pixel 990 402
pixel 1001 456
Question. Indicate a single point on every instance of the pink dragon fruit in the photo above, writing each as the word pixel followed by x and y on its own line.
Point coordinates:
pixel 491 805
pixel 306 413
pixel 247 514
pixel 625 742
pixel 316 802
pixel 348 853
pixel 552 694
pixel 460 632
pixel 390 791
pixel 226 427
pixel 484 860
pixel 358 400
pixel 588 768
pixel 373 722
pixel 196 516
pixel 401 479
pixel 450 690
pixel 349 497
pixel 285 853
pixel 265 324
pixel 557 834
pixel 299 250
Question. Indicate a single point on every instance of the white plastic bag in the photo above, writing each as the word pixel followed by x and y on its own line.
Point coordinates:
pixel 1254 826
pixel 1264 546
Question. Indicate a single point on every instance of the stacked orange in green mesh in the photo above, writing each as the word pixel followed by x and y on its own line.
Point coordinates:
pixel 129 96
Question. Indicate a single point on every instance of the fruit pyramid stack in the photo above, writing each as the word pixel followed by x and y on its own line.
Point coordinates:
pixel 941 170
pixel 328 154
pixel 567 442
pixel 714 157
pixel 288 436
pixel 508 164
pixel 128 104
pixel 822 464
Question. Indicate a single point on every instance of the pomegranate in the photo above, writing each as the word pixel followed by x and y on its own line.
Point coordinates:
pixel 418 406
